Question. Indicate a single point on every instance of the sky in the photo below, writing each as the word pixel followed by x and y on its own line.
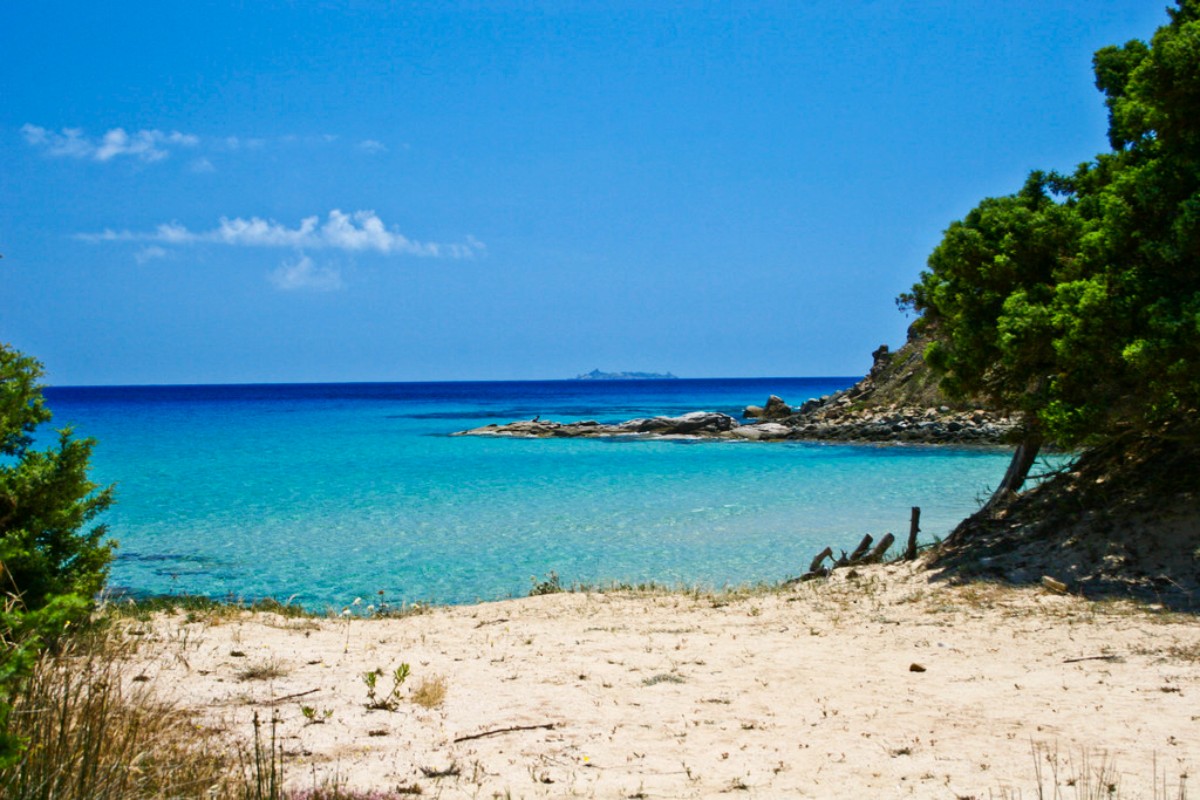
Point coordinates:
pixel 244 192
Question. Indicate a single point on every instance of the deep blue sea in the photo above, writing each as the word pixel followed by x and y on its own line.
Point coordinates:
pixel 324 493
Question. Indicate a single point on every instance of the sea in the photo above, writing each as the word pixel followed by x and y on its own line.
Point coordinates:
pixel 324 494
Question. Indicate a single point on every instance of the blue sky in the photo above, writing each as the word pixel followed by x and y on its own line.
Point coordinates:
pixel 212 192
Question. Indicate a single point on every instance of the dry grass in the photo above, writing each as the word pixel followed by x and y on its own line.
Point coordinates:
pixel 89 736
pixel 430 692
pixel 1092 776
pixel 262 671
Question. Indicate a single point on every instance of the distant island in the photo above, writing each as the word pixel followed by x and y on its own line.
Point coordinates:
pixel 597 375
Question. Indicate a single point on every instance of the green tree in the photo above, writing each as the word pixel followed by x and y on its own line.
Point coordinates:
pixel 52 563
pixel 1076 301
pixel 987 297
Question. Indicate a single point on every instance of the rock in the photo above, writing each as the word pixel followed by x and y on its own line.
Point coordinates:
pixel 774 409
pixel 762 431
pixel 880 359
pixel 696 421
pixel 777 408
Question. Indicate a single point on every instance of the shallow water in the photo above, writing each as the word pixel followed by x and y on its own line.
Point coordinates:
pixel 324 493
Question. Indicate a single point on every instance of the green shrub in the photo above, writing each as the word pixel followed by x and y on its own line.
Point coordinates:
pixel 52 563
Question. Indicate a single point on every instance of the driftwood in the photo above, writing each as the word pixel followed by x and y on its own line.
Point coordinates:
pixel 876 555
pixel 815 566
pixel 865 553
pixel 914 527
pixel 549 726
pixel 858 553
pixel 287 697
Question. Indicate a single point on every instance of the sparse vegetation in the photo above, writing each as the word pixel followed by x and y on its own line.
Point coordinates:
pixel 262 671
pixel 430 692
pixel 391 700
pixel 551 585
pixel 88 737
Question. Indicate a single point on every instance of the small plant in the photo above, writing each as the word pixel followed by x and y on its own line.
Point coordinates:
pixel 452 771
pixel 387 702
pixel 263 776
pixel 315 716
pixel 430 692
pixel 262 671
pixel 551 585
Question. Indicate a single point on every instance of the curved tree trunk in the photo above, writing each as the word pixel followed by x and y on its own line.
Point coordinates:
pixel 1018 470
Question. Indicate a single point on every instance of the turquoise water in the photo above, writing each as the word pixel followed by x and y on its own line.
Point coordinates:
pixel 324 493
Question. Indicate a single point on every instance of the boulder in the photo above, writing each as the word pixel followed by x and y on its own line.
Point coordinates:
pixel 776 408
pixel 762 431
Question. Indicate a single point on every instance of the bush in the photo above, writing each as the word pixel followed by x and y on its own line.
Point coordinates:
pixel 51 563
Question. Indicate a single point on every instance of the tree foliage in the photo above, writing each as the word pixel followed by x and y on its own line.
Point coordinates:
pixel 1077 299
pixel 52 563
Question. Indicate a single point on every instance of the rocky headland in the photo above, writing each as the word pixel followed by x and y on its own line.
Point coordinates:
pixel 898 401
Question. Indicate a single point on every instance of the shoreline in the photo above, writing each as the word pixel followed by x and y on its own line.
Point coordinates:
pixel 662 694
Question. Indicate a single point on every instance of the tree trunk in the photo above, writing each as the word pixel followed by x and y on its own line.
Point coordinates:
pixel 1018 470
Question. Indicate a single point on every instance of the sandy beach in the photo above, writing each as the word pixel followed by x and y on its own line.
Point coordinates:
pixel 876 683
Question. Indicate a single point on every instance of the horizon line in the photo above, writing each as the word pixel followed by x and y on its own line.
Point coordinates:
pixel 250 384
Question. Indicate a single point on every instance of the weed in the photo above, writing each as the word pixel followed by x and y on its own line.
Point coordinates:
pixel 262 671
pixel 391 700
pixel 315 716
pixel 263 772
pixel 551 585
pixel 451 771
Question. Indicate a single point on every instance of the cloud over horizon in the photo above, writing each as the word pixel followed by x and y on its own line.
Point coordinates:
pixel 362 231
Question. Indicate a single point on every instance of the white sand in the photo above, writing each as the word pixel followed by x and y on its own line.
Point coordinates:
pixel 798 693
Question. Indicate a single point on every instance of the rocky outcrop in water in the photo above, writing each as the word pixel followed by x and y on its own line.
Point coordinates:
pixel 696 424
pixel 914 425
pixel 774 409
pixel 898 401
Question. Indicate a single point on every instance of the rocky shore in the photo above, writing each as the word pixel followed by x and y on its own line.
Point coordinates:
pixel 898 401
pixel 824 422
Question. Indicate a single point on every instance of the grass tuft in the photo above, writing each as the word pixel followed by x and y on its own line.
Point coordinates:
pixel 89 736
pixel 430 692
pixel 262 671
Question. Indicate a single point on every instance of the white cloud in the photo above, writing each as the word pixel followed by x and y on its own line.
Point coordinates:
pixel 143 145
pixel 304 275
pixel 147 254
pixel 362 231
pixel 150 145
